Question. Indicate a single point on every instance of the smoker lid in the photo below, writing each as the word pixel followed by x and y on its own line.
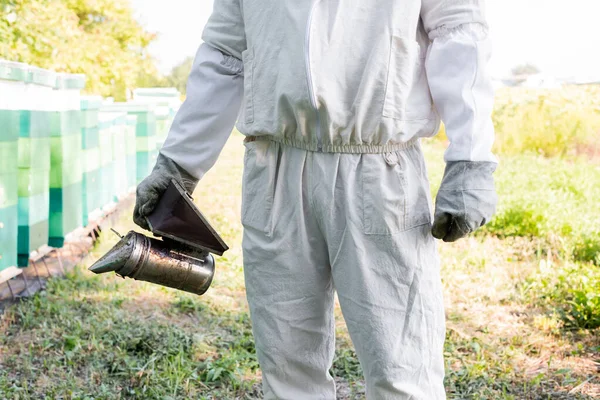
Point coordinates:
pixel 177 218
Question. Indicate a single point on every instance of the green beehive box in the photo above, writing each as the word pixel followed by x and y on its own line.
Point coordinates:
pixel 107 184
pixel 42 77
pixel 33 224
pixel 145 143
pixel 120 155
pixel 130 134
pixel 89 193
pixel 65 123
pixel 89 118
pixel 131 171
pixel 34 152
pixel 90 159
pixel 8 156
pixel 66 174
pixel 35 123
pixel 145 161
pixel 146 123
pixel 33 182
pixel 64 149
pixel 13 78
pixel 9 189
pixel 66 200
pixel 34 209
pixel 105 145
pixel 8 238
pixel 145 131
pixel 9 125
pixel 8 219
pixel 65 212
pixel 90 137
pixel 131 164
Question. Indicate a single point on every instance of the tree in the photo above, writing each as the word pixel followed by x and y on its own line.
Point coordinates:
pixel 179 75
pixel 99 38
pixel 525 70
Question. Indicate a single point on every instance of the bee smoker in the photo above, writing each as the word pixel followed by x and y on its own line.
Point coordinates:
pixel 181 259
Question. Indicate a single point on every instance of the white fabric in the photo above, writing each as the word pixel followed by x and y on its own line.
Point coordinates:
pixel 206 117
pixel 377 72
pixel 359 223
pixel 462 90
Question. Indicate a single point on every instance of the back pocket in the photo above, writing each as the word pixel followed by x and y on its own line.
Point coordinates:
pixel 395 192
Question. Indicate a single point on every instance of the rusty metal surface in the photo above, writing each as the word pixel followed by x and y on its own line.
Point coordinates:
pixel 177 266
pixel 163 262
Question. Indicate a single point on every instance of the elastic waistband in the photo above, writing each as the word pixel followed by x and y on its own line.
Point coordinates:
pixel 352 149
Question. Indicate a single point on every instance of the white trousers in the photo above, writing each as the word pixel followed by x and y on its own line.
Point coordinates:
pixel 358 224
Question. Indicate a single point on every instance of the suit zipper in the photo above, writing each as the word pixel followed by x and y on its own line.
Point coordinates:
pixel 311 92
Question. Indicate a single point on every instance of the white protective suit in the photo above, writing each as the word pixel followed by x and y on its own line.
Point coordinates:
pixel 333 96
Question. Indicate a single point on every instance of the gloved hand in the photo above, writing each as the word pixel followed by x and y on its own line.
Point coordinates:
pixel 466 199
pixel 150 190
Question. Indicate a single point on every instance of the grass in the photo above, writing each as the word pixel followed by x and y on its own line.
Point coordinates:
pixel 521 298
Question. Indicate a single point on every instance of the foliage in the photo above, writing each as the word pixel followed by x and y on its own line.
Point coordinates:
pixel 573 290
pixel 177 78
pixel 99 38
pixel 562 122
pixel 554 204
pixel 587 248
pixel 179 75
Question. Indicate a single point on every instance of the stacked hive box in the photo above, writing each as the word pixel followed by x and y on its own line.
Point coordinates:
pixel 145 132
pixel 131 152
pixel 166 102
pixel 107 168
pixel 145 146
pixel 34 164
pixel 90 142
pixel 12 98
pixel 65 159
pixel 119 142
pixel 163 123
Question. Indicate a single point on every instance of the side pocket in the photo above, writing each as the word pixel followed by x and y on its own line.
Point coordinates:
pixel 383 194
pixel 248 60
pixel 407 95
pixel 395 192
pixel 257 185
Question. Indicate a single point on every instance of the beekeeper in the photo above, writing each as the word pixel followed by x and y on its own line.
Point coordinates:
pixel 333 97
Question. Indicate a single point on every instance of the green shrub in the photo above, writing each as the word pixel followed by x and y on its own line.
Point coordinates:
pixel 516 221
pixel 570 290
pixel 587 249
pixel 552 123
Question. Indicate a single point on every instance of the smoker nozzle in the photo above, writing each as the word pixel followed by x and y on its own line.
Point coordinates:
pixel 116 258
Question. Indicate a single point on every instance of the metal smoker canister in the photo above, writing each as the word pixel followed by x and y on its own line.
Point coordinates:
pixel 163 262
pixel 181 260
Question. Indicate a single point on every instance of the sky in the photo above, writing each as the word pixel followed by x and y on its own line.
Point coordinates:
pixel 558 36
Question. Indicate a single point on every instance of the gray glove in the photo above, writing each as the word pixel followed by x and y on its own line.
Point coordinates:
pixel 150 190
pixel 466 199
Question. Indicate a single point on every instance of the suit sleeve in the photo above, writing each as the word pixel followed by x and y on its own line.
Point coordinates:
pixel 459 80
pixel 214 93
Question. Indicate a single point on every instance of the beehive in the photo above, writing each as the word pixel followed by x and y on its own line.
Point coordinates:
pixel 12 101
pixel 90 149
pixel 66 168
pixel 34 163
